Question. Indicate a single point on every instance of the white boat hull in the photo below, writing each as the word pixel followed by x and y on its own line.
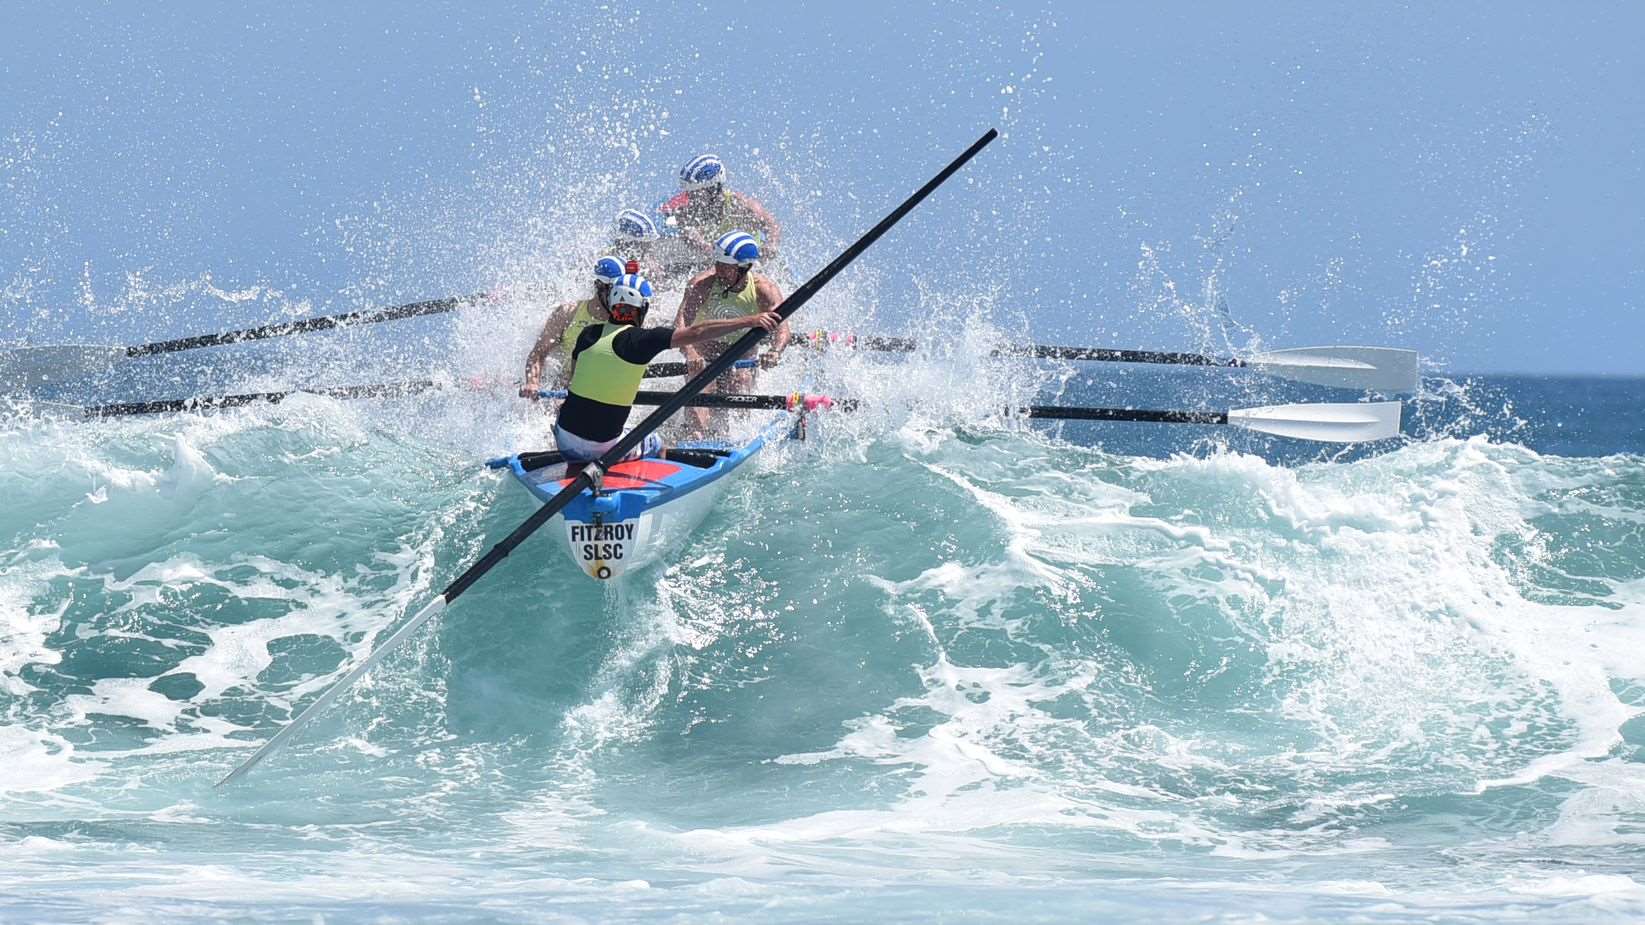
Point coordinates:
pixel 645 508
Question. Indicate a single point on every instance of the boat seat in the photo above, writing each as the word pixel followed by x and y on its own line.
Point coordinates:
pixel 531 462
pixel 701 459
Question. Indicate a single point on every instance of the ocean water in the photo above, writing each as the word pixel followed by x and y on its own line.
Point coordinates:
pixel 931 664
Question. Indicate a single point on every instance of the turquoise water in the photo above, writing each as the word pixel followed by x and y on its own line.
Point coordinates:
pixel 929 665
pixel 932 665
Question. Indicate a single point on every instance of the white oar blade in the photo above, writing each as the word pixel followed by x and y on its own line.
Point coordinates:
pixel 332 693
pixel 1355 422
pixel 1374 369
pixel 25 368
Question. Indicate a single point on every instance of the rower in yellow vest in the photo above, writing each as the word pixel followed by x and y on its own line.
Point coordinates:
pixel 730 290
pixel 566 322
pixel 608 362
pixel 637 242
pixel 706 209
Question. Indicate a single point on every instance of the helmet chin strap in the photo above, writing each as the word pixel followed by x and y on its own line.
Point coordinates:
pixel 708 202
pixel 736 285
pixel 629 311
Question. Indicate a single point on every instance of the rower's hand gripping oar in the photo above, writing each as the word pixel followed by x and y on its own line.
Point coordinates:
pixel 738 349
pixel 1372 369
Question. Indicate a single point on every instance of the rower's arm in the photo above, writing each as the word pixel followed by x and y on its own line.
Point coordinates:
pixel 720 327
pixel 770 296
pixel 696 293
pixel 553 330
pixel 690 304
pixel 773 233
pixel 562 379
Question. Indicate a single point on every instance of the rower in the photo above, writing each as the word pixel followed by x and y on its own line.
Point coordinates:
pixel 730 290
pixel 634 236
pixel 664 259
pixel 567 321
pixel 706 209
pixel 608 362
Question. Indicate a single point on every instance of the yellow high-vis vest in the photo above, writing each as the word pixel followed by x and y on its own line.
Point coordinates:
pixel 603 376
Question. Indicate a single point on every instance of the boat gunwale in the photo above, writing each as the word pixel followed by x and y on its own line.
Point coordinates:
pixel 656 495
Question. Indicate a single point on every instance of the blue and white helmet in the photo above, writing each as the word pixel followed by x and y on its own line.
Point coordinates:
pixel 608 270
pixel 738 247
pixel 630 298
pixel 701 172
pixel 634 225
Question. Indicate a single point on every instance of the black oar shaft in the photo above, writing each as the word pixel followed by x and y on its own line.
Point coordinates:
pixel 162 406
pixel 1140 415
pixel 740 401
pixel 1046 412
pixel 305 325
pixel 665 370
pixel 1109 355
pixel 376 390
pixel 531 524
pixel 712 371
pixel 891 344
pixel 743 401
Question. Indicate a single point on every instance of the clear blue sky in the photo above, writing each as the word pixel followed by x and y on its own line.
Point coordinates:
pixel 1463 178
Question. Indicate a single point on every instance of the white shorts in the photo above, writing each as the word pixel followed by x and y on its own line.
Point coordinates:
pixel 576 449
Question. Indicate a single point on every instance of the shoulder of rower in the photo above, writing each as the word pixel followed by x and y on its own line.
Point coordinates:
pixel 754 208
pixel 641 345
pixel 558 318
pixel 587 338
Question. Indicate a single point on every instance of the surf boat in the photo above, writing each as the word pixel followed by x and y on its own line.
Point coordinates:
pixel 642 508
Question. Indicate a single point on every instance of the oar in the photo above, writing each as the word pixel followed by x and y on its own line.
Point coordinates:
pixel 1347 422
pixel 308 325
pixel 675 368
pixel 375 390
pixel 739 348
pixel 737 400
pixel 1379 369
pixel 34 366
pixel 203 402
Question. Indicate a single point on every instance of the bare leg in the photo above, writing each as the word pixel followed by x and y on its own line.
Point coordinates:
pixel 739 380
pixel 701 415
pixel 710 421
pixel 706 418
